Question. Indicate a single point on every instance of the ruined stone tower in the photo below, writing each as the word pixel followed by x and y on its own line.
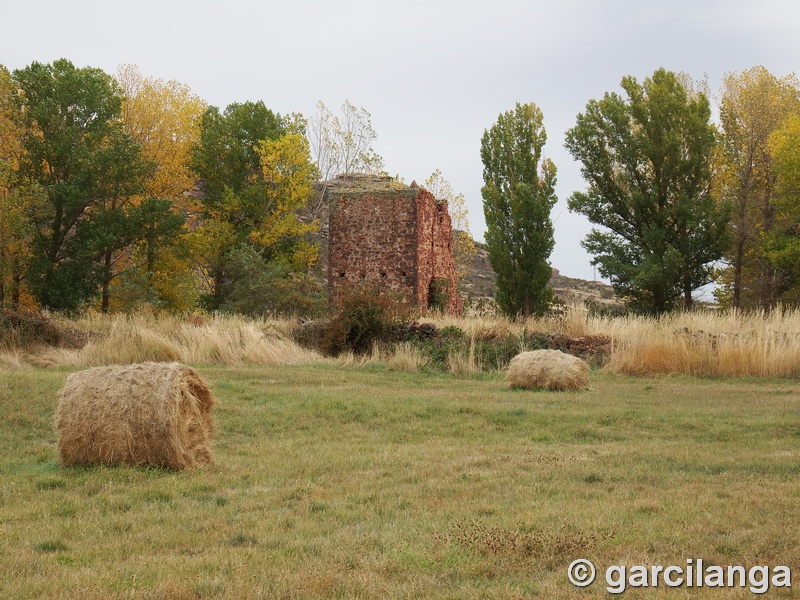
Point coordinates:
pixel 395 236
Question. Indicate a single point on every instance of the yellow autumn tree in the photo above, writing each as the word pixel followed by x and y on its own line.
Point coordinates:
pixel 289 175
pixel 755 104
pixel 209 246
pixel 262 266
pixel 18 199
pixel 783 246
pixel 463 245
pixel 163 117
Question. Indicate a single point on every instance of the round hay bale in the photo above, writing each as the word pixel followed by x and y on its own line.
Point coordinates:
pixel 142 414
pixel 549 369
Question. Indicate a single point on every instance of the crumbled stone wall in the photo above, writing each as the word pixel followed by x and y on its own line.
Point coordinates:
pixel 435 249
pixel 390 234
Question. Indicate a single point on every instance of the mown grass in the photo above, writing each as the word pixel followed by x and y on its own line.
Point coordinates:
pixel 374 483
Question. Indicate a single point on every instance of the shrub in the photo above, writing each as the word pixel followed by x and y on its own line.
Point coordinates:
pixel 361 316
pixel 438 294
pixel 263 289
pixel 23 329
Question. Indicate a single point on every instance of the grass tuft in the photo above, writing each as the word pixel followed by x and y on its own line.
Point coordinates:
pixel 50 546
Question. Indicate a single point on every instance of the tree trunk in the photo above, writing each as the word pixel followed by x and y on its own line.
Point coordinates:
pixel 768 292
pixel 688 301
pixel 16 286
pixel 219 278
pixel 106 281
pixel 737 274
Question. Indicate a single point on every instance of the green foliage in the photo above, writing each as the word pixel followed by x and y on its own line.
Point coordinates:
pixel 437 349
pixel 75 149
pixel 226 157
pixel 257 173
pixel 647 159
pixel 264 289
pixel 439 294
pixel 361 316
pixel 518 194
pixel 490 353
pixel 49 546
pixel 155 270
pixel 160 228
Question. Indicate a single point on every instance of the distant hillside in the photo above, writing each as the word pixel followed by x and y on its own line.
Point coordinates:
pixel 480 284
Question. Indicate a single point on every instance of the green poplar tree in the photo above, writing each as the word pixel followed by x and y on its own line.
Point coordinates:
pixel 518 194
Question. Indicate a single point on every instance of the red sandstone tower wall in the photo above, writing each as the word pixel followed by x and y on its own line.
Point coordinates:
pixel 435 250
pixel 392 235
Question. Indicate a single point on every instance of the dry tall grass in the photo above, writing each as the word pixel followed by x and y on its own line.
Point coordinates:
pixel 574 321
pixel 406 357
pixel 705 343
pixel 227 340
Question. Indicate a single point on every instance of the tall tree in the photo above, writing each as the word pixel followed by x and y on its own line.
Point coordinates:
pixel 270 274
pixel 19 200
pixel 163 117
pixel 257 172
pixel 225 156
pixel 341 144
pixel 17 203
pixel 755 104
pixel 226 160
pixel 156 266
pixel 112 224
pixel 647 160
pixel 75 149
pixel 782 245
pixel 289 175
pixel 518 194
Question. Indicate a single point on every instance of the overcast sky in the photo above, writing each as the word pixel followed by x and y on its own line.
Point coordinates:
pixel 434 74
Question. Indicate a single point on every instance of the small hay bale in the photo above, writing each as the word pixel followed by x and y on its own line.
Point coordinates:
pixel 549 369
pixel 142 414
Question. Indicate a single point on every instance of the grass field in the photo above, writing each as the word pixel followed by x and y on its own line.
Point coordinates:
pixel 364 482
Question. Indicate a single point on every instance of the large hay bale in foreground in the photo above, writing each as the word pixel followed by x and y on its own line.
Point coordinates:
pixel 549 369
pixel 142 414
